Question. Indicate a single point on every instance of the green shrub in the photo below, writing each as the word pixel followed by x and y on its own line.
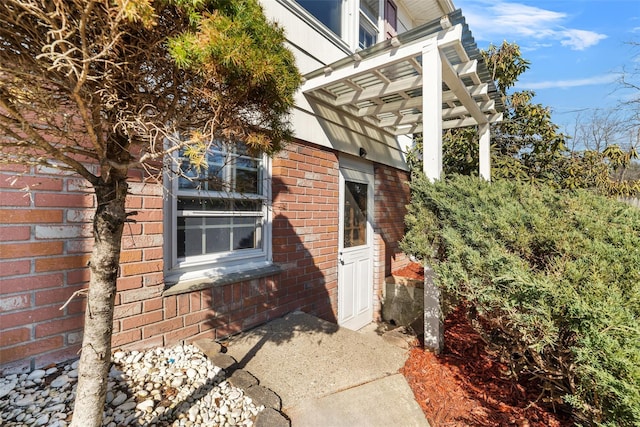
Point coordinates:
pixel 553 279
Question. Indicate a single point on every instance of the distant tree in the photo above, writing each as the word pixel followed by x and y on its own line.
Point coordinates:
pixel 599 129
pixel 524 144
pixel 606 143
pixel 630 79
pixel 111 83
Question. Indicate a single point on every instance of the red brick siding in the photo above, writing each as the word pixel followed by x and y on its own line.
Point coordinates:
pixel 45 242
pixel 35 242
pixel 391 198
pixel 305 229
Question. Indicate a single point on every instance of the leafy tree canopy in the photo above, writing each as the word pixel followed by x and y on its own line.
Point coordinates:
pixel 120 84
pixel 527 145
pixel 108 81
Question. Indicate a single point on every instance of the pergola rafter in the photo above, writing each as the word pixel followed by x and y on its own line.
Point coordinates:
pixel 386 86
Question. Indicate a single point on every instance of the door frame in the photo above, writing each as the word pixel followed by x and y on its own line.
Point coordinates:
pixel 356 170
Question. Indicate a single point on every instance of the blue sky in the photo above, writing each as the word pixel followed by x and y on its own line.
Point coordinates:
pixel 577 48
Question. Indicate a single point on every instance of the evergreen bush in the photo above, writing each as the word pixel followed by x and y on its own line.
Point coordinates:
pixel 552 279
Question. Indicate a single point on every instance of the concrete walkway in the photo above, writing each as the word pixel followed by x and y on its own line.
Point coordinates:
pixel 328 376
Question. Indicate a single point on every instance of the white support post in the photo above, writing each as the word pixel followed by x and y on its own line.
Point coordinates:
pixel 432 167
pixel 485 151
pixel 432 110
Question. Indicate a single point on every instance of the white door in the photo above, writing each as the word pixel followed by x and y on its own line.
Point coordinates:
pixel 355 251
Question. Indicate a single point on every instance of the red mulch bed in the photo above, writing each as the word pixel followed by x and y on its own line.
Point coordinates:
pixel 411 271
pixel 467 386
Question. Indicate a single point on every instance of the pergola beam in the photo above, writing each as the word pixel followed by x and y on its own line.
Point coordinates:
pixel 395 55
pixel 446 124
pixel 414 88
pixel 468 69
pixel 454 83
pixel 470 121
pixel 475 91
pixel 389 107
pixel 378 91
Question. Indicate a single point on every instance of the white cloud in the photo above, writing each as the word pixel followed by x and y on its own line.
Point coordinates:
pixel 580 39
pixel 563 84
pixel 494 21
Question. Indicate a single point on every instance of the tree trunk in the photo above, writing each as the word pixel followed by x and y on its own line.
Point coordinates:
pixel 95 358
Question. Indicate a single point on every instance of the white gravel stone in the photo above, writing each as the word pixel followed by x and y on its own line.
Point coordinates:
pixel 168 386
pixel 42 420
pixel 25 401
pixel 60 381
pixel 37 374
pixel 6 388
pixel 145 406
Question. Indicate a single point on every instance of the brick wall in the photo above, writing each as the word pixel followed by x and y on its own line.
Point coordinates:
pixel 391 198
pixel 305 221
pixel 43 248
pixel 45 242
pixel 305 227
pixel 45 239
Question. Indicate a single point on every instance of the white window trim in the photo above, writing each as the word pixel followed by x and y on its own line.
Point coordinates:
pixel 214 266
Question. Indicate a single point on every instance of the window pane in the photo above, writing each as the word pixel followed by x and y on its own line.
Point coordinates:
pixel 390 18
pixel 189 178
pixel 217 240
pixel 246 162
pixel 231 169
pixel 355 214
pixel 370 8
pixel 368 36
pixel 215 179
pixel 329 12
pixel 217 234
pixel 247 182
pixel 243 238
pixel 246 233
pixel 189 237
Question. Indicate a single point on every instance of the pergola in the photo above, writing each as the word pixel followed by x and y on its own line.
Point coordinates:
pixel 423 81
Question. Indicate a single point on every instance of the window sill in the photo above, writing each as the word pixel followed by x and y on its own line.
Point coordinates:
pixel 206 282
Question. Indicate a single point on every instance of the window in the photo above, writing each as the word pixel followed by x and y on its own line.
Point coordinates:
pixel 355 214
pixel 220 210
pixel 329 12
pixel 368 28
pixel 359 23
